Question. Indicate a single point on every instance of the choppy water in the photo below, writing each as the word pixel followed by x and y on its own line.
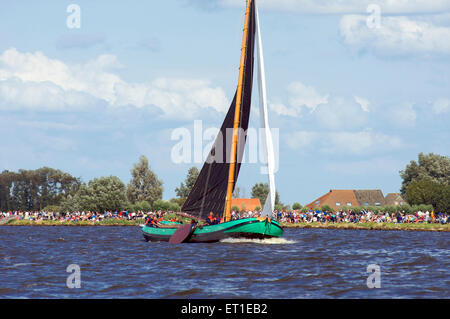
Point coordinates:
pixel 116 262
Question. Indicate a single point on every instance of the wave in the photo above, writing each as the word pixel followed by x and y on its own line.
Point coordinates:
pixel 266 241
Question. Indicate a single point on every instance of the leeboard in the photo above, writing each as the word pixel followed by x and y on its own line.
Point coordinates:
pixel 181 234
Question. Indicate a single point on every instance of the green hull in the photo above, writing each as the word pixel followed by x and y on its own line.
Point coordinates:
pixel 242 228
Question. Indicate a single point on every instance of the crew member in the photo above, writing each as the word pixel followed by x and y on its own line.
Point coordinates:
pixel 210 219
pixel 150 221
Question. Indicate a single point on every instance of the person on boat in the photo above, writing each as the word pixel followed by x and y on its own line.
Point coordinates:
pixel 211 220
pixel 193 225
pixel 150 221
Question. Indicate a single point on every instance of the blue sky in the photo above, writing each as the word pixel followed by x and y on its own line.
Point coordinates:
pixel 354 100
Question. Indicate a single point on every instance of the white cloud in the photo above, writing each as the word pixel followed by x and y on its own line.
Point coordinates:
pixel 397 35
pixel 441 106
pixel 363 102
pixel 32 80
pixel 340 113
pixel 360 142
pixel 403 115
pixel 331 112
pixel 301 139
pixel 342 6
pixel 344 142
pixel 281 109
pixel 17 94
pixel 301 97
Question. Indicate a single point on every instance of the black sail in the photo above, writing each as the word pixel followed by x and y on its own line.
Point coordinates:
pixel 210 189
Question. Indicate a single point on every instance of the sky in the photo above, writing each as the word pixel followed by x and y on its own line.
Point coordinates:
pixel 356 89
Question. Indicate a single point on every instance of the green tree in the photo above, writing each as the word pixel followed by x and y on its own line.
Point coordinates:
pixel 178 201
pixel 104 193
pixel 432 166
pixel 444 203
pixel 142 206
pixel 296 206
pixel 164 205
pixel 186 186
pixel 426 191
pixel 261 191
pixel 6 180
pixel 144 184
pixel 35 189
pixel 71 204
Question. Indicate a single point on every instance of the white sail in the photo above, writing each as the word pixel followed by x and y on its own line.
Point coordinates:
pixel 266 136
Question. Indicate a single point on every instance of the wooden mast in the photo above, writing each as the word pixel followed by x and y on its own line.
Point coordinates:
pixel 237 113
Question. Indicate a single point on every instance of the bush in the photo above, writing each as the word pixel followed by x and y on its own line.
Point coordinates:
pixel 235 209
pixel 142 206
pixel 326 208
pixel 178 201
pixel 52 208
pixel 304 209
pixel 406 208
pixel 175 207
pixel 390 209
pixel 164 205
pixel 136 207
pixel 376 209
pixel 425 207
pixel 296 206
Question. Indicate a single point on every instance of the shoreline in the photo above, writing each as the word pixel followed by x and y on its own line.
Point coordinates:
pixel 372 226
pixel 314 225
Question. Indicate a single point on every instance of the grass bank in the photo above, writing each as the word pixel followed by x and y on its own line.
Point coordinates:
pixel 372 226
pixel 367 226
pixel 108 222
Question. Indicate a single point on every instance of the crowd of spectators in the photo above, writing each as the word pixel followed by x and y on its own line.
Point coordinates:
pixel 75 216
pixel 362 217
pixel 349 216
pixel 281 216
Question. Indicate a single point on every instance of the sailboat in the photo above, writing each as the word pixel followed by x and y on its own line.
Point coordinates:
pixel 213 189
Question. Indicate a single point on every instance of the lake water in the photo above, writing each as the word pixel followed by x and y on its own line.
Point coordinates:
pixel 116 262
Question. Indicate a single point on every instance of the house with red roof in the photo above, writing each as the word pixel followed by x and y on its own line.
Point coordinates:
pixel 338 198
pixel 246 203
